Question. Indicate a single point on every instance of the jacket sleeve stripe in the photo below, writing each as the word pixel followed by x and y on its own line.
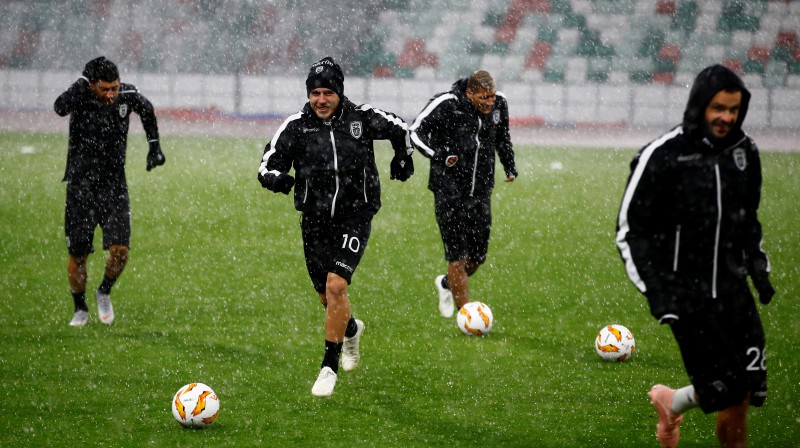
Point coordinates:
pixel 422 116
pixel 623 223
pixel 395 120
pixel 264 160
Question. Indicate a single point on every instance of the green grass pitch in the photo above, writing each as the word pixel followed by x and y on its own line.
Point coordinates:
pixel 216 292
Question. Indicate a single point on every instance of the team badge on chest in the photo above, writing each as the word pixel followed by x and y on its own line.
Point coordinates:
pixel 123 110
pixel 740 158
pixel 496 116
pixel 356 129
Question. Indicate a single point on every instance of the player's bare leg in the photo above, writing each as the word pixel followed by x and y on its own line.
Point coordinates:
pixel 732 425
pixel 337 313
pixel 458 273
pixel 76 272
pixel 116 262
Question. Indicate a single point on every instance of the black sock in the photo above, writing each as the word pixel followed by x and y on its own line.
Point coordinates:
pixel 332 352
pixel 105 287
pixel 352 328
pixel 445 284
pixel 80 301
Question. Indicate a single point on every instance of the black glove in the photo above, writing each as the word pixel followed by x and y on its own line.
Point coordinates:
pixel 764 287
pixel 402 167
pixel 282 183
pixel 155 157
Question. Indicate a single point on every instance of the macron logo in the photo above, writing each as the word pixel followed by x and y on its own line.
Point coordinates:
pixel 349 269
pixel 689 157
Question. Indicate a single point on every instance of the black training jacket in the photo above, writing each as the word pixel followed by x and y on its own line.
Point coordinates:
pixel 689 216
pixel 334 161
pixel 98 134
pixel 450 121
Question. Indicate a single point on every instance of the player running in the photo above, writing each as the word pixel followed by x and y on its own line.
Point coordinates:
pixel 337 190
pixel 99 106
pixel 689 234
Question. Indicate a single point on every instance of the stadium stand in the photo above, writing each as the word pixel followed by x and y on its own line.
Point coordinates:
pixel 555 41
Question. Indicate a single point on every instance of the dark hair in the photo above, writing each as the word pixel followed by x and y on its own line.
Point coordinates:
pixel 101 69
pixel 480 80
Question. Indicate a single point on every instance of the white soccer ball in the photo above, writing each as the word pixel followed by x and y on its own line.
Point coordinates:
pixel 475 318
pixel 195 405
pixel 614 343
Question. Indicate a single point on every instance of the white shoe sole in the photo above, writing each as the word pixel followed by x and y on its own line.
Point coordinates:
pixel 325 383
pixel 79 319
pixel 349 363
pixel 446 302
pixel 106 313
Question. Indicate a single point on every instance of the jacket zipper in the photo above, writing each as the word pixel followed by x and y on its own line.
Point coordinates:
pixel 335 173
pixel 364 185
pixel 477 150
pixel 715 264
pixel 716 236
pixel 677 248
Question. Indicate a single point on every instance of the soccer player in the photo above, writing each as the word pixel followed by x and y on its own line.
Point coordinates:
pixel 337 190
pixel 460 131
pixel 689 234
pixel 99 106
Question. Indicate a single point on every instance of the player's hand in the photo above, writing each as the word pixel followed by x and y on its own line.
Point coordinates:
pixel 155 157
pixel 402 167
pixel 763 287
pixel 511 174
pixel 283 183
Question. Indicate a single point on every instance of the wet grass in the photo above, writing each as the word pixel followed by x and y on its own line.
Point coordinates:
pixel 216 291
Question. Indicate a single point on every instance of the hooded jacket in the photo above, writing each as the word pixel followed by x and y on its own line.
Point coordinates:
pixel 449 122
pixel 334 160
pixel 98 134
pixel 688 225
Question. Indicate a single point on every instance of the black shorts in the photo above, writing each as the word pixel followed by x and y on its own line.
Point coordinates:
pixel 722 343
pixel 89 206
pixel 334 246
pixel 465 224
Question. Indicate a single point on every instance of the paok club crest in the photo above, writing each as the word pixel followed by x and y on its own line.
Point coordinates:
pixel 356 129
pixel 496 116
pixel 740 158
pixel 123 110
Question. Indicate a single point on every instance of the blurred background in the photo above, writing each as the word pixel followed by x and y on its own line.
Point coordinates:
pixel 623 63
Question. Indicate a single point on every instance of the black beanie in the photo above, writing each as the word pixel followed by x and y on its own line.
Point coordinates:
pixel 325 73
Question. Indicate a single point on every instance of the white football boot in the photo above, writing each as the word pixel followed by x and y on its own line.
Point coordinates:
pixel 325 383
pixel 350 353
pixel 80 318
pixel 104 308
pixel 446 305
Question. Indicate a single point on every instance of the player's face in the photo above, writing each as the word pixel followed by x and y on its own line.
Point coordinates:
pixel 482 99
pixel 324 102
pixel 106 91
pixel 722 112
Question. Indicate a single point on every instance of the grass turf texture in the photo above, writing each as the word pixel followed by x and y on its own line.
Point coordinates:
pixel 216 292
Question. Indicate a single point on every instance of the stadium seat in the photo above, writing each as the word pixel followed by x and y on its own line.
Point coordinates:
pixel 648 41
pixel 538 56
